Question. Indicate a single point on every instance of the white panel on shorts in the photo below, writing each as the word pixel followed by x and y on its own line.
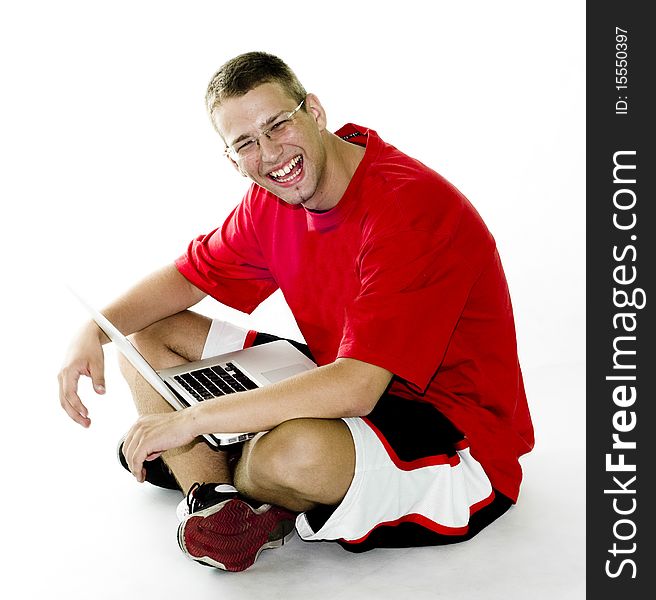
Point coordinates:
pixel 381 492
pixel 223 337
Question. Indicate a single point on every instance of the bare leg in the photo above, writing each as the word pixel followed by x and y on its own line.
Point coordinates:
pixel 299 464
pixel 168 343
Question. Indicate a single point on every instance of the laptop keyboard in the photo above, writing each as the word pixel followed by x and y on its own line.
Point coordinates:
pixel 212 382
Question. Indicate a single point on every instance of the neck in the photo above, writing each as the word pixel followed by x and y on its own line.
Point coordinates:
pixel 342 160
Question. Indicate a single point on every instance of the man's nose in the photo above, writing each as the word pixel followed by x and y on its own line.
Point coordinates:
pixel 270 150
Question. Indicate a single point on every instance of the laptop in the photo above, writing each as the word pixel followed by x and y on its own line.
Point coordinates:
pixel 191 383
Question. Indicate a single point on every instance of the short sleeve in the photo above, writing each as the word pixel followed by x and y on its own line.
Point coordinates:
pixel 227 263
pixel 414 287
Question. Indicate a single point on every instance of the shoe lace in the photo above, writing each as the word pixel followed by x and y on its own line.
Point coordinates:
pixel 202 495
pixel 191 500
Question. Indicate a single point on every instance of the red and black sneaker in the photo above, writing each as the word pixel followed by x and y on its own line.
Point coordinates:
pixel 230 532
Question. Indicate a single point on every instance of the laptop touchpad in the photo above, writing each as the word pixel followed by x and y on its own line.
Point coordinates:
pixel 276 375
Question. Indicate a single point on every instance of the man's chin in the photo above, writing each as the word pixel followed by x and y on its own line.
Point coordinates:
pixel 291 196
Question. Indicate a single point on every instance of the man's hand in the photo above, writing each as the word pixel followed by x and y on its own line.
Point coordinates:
pixel 153 434
pixel 161 294
pixel 85 357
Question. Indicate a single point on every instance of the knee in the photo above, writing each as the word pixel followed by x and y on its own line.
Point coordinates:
pixel 150 345
pixel 284 458
pixel 144 339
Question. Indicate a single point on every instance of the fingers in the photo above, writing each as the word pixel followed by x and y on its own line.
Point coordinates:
pixel 135 449
pixel 149 437
pixel 85 357
pixel 68 398
pixel 129 445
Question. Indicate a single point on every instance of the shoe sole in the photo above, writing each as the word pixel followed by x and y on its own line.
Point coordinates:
pixel 232 534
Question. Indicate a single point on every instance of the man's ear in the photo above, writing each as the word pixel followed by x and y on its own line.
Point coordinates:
pixel 235 164
pixel 316 110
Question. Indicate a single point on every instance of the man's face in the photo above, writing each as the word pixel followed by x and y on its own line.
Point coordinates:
pixel 290 166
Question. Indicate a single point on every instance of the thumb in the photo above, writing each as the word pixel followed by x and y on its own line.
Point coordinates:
pixel 97 372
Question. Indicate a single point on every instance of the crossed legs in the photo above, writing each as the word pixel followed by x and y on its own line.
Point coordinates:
pixel 298 465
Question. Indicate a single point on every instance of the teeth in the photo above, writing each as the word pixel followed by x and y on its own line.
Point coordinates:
pixel 286 169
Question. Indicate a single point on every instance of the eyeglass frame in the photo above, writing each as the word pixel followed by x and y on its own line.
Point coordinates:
pixel 232 153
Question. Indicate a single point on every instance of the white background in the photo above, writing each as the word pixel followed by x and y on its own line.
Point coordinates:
pixel 109 165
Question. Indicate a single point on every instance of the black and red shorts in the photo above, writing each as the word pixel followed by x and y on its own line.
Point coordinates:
pixel 415 484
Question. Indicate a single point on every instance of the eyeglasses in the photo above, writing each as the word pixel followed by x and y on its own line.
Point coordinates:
pixel 247 147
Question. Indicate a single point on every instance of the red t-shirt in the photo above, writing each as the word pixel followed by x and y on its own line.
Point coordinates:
pixel 402 274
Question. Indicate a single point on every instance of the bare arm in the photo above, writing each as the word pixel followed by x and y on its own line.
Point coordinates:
pixel 160 295
pixel 164 293
pixel 344 388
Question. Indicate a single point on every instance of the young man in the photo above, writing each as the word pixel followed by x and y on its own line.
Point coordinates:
pixel 409 431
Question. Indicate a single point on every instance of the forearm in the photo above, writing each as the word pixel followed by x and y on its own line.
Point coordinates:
pixel 161 294
pixel 344 388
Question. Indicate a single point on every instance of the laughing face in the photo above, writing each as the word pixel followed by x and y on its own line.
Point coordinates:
pixel 291 161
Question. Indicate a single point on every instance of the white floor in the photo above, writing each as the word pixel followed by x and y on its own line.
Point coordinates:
pixel 77 526
pixel 107 156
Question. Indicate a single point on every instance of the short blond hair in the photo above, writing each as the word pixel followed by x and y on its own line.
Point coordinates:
pixel 245 72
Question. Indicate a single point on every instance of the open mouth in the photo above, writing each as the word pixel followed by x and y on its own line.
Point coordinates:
pixel 288 172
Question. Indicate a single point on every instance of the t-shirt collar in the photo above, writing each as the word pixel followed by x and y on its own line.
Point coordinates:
pixel 322 221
